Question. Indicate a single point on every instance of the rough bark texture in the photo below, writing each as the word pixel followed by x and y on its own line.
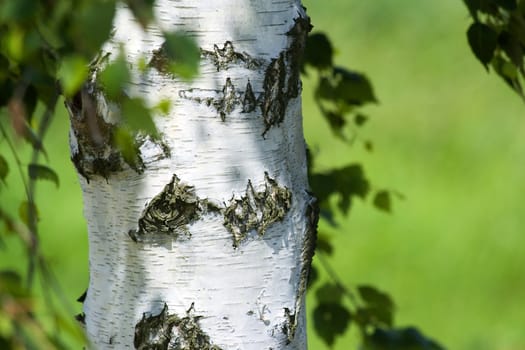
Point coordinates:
pixel 207 246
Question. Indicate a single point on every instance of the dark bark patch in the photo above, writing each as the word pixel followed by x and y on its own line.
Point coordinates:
pixel 168 213
pixel 224 101
pixel 282 76
pixel 160 60
pixel 249 103
pixel 223 58
pixel 289 326
pixel 257 210
pixel 96 153
pixel 165 331
pixel 154 332
pixel 307 253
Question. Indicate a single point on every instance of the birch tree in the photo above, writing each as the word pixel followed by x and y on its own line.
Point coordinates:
pixel 202 238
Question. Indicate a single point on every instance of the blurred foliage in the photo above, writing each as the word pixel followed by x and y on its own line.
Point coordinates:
pixel 497 38
pixel 339 94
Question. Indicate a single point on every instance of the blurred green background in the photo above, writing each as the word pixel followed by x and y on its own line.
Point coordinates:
pixel 446 135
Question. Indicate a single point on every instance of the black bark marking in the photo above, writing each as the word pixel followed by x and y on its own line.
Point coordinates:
pixel 282 77
pixel 290 325
pixel 160 60
pixel 95 154
pixel 154 332
pixel 168 213
pixel 307 253
pixel 257 210
pixel 249 102
pixel 229 101
pixel 165 331
pixel 225 101
pixel 223 58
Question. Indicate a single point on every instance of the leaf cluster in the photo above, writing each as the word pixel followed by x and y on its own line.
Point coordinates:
pixel 497 38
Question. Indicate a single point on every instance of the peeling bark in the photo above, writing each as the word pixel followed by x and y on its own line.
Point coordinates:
pixel 257 210
pixel 169 213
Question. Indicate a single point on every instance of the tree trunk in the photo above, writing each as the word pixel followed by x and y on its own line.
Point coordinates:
pixel 205 243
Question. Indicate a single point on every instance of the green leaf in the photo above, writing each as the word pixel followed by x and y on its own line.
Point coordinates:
pixel 30 102
pixel 512 47
pixel 11 283
pixel 142 10
pixel 42 172
pixel 323 244
pixel 4 168
pixel 125 142
pixel 138 117
pixel 17 11
pixel 6 90
pixel 30 136
pixel 25 213
pixel 115 77
pixel 72 74
pixel 353 87
pixel 329 293
pixel 483 41
pixel 178 55
pixel 347 182
pixel 313 276
pixel 509 5
pixel 331 320
pixel 92 25
pixel 372 296
pixel 382 201
pixel 318 51
pixel 360 119
pixel 399 339
pixel 374 315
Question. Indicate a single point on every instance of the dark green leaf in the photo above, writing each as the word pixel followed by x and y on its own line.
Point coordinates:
pixel 115 77
pixel 318 51
pixel 324 245
pixel 353 87
pixel 509 5
pixel 138 117
pixel 4 168
pixel 360 119
pixel 125 142
pixel 6 90
pixel 28 213
pixel 17 11
pixel 30 136
pixel 399 339
pixel 473 7
pixel 11 284
pixel 373 297
pixel 72 74
pixel 92 25
pixel 382 201
pixel 30 101
pixel 374 316
pixel 179 55
pixel 331 320
pixel 512 47
pixel 42 172
pixel 483 40
pixel 348 182
pixel 313 276
pixel 329 293
pixel 142 10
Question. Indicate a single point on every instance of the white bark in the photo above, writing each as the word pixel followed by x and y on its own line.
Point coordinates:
pixel 238 293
